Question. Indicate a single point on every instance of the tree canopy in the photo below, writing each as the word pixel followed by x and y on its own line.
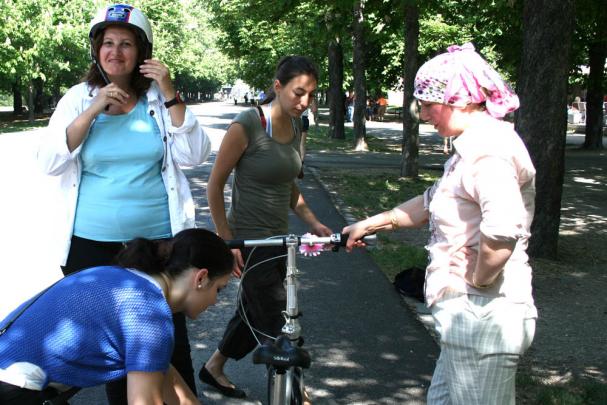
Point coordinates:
pixel 44 44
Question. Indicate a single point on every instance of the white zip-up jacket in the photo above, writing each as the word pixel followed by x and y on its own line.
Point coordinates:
pixel 187 145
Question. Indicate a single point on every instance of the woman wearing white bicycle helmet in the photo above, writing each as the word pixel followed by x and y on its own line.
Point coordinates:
pixel 116 140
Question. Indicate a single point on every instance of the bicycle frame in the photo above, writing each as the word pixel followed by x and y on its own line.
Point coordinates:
pixel 292 327
pixel 286 360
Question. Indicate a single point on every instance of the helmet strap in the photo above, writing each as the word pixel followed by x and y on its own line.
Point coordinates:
pixel 99 68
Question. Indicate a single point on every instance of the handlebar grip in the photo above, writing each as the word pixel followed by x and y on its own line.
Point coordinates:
pixel 369 239
pixel 235 244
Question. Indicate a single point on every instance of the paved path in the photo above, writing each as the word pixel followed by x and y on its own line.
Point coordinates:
pixel 367 347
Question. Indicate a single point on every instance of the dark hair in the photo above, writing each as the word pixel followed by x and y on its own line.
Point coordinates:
pixel 189 248
pixel 288 68
pixel 139 83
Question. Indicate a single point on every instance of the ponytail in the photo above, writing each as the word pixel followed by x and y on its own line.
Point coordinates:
pixel 197 248
pixel 144 255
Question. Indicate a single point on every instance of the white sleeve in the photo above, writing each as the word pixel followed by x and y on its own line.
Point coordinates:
pixel 191 146
pixel 53 155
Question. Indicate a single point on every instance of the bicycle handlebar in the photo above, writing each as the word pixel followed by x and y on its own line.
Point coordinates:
pixel 336 239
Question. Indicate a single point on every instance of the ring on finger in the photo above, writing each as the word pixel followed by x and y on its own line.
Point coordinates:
pixel 111 94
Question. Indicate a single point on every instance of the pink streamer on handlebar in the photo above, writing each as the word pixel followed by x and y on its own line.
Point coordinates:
pixel 310 250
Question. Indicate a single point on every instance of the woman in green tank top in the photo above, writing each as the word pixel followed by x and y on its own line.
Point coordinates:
pixel 263 150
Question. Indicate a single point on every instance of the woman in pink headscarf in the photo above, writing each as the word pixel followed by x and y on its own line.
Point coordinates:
pixel 478 281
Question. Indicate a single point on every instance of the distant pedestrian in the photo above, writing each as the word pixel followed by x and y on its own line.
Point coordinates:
pixel 305 121
pixel 350 106
pixel 315 116
pixel 371 110
pixel 382 106
pixel 447 145
pixel 478 281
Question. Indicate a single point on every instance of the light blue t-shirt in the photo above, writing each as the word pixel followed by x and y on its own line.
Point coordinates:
pixel 93 327
pixel 122 195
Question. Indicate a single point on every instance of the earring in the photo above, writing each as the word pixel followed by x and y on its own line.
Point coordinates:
pixel 199 286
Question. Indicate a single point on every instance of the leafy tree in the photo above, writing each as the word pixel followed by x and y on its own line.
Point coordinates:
pixel 410 145
pixel 360 85
pixel 493 26
pixel 548 28
pixel 591 41
pixel 334 23
pixel 27 53
pixel 258 33
pixel 53 52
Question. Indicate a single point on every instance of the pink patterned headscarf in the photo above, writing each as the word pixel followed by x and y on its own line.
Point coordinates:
pixel 460 77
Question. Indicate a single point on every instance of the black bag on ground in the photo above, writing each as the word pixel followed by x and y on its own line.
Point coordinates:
pixel 410 282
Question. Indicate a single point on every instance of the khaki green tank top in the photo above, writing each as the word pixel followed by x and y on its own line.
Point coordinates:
pixel 263 181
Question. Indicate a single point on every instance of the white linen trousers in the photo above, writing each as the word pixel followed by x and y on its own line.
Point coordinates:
pixel 481 341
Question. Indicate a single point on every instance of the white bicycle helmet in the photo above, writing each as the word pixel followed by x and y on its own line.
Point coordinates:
pixel 123 14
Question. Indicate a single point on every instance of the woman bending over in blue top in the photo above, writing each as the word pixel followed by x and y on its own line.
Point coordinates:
pixel 106 323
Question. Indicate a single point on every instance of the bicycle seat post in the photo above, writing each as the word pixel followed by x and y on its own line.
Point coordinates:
pixel 292 327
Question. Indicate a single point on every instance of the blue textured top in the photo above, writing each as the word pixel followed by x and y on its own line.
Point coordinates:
pixel 93 327
pixel 121 194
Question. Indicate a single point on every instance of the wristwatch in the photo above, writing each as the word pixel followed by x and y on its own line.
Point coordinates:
pixel 177 100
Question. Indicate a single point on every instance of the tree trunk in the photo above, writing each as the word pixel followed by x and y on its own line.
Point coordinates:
pixel 594 94
pixel 360 85
pixel 542 118
pixel 336 94
pixel 410 147
pixel 38 96
pixel 30 101
pixel 17 98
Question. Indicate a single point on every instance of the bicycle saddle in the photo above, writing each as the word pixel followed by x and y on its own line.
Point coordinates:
pixel 282 353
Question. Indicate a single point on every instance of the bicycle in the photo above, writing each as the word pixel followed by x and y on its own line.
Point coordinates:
pixel 285 358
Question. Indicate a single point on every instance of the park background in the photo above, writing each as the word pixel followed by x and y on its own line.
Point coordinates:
pixel 550 51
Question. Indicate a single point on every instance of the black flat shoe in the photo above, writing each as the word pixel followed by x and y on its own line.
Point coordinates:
pixel 207 378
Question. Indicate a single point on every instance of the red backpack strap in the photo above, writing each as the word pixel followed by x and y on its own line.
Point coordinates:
pixel 262 117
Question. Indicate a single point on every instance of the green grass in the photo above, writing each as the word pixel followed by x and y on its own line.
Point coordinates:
pixel 319 141
pixel 370 191
pixel 21 124
pixel 394 256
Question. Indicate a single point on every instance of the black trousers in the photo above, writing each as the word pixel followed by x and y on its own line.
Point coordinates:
pixel 86 253
pixel 264 298
pixel 13 395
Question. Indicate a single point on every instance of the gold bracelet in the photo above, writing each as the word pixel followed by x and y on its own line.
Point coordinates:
pixel 394 220
pixel 479 286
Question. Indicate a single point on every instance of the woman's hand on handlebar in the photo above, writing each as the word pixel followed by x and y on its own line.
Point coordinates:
pixel 319 229
pixel 355 232
pixel 238 263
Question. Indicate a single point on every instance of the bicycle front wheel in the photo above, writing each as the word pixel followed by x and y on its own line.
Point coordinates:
pixel 287 388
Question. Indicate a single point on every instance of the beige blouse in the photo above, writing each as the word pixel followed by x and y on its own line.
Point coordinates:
pixel 487 187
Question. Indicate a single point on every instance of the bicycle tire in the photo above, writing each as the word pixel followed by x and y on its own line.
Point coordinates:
pixel 295 393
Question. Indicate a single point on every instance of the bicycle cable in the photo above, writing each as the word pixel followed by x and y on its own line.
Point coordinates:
pixel 240 303
pixel 241 308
